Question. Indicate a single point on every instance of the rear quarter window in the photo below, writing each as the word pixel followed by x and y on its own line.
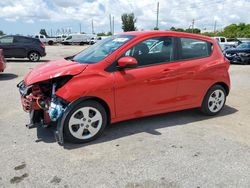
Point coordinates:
pixel 193 48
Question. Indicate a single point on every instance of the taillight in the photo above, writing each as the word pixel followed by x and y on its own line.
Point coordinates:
pixel 42 45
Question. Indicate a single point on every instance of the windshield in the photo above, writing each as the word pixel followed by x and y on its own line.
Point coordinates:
pixel 102 49
pixel 244 45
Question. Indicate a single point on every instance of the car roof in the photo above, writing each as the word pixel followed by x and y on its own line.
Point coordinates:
pixel 171 33
pixel 17 36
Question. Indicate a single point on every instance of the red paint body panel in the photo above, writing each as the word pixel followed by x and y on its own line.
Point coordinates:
pixel 141 91
pixel 53 69
pixel 2 61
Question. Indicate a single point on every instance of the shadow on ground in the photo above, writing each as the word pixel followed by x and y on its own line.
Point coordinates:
pixel 135 126
pixel 7 76
pixel 25 61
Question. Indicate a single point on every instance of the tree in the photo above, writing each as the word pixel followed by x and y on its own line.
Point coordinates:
pixel 195 30
pixel 156 28
pixel 128 22
pixel 43 32
pixel 101 34
pixel 177 29
pixel 1 33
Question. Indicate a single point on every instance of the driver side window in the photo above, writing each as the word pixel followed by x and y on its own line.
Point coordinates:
pixel 152 51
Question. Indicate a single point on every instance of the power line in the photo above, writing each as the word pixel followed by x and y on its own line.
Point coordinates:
pixel 193 26
pixel 113 28
pixel 93 27
pixel 215 24
pixel 157 16
pixel 110 24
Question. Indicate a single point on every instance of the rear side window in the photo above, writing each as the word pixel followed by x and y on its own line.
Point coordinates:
pixel 22 40
pixel 193 48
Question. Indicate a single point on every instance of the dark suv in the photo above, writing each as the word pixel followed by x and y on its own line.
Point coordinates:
pixel 22 47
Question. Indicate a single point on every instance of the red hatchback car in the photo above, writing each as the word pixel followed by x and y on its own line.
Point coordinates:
pixel 2 61
pixel 126 76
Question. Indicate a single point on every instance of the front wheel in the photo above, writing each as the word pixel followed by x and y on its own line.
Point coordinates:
pixel 214 100
pixel 34 56
pixel 85 122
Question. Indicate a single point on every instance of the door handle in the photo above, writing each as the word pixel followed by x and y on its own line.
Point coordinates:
pixel 167 70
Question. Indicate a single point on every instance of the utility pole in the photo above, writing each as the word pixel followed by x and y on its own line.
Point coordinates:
pixel 215 25
pixel 193 26
pixel 157 16
pixel 80 25
pixel 93 27
pixel 110 24
pixel 113 32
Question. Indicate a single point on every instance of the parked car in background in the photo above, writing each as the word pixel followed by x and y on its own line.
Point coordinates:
pixel 47 40
pixel 244 39
pixel 94 40
pixel 60 38
pixel 225 44
pixel 2 61
pixel 22 47
pixel 130 75
pixel 240 54
pixel 80 39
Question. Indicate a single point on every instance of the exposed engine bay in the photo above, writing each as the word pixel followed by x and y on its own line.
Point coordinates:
pixel 40 101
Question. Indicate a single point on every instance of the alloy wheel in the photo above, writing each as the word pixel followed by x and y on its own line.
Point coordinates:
pixel 216 101
pixel 34 56
pixel 85 123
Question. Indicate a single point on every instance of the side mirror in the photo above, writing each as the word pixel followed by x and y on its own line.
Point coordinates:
pixel 127 62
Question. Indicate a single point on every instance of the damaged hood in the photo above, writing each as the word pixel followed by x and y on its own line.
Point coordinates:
pixel 54 69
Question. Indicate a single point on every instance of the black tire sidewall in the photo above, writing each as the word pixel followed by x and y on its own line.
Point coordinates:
pixel 90 103
pixel 37 58
pixel 50 42
pixel 205 109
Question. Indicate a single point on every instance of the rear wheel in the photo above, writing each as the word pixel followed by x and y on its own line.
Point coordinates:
pixel 85 122
pixel 214 100
pixel 34 56
pixel 50 42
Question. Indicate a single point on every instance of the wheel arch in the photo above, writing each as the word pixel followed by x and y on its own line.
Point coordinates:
pixel 97 99
pixel 221 83
pixel 29 52
pixel 59 134
pixel 224 85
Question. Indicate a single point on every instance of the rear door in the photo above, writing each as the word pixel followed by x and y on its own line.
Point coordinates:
pixel 194 57
pixel 20 46
pixel 6 43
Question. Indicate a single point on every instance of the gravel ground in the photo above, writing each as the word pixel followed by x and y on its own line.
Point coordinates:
pixel 181 149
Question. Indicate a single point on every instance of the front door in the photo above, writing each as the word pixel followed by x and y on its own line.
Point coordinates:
pixel 152 86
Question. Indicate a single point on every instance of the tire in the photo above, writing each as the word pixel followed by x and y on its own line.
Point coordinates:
pixel 81 43
pixel 214 100
pixel 34 56
pixel 80 126
pixel 50 42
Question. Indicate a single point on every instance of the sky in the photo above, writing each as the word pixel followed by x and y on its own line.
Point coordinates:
pixel 27 17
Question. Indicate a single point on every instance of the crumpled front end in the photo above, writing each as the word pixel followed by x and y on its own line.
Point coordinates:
pixel 40 101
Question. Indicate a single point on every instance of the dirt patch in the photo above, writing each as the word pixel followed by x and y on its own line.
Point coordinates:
pixel 56 180
pixel 19 167
pixel 18 179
